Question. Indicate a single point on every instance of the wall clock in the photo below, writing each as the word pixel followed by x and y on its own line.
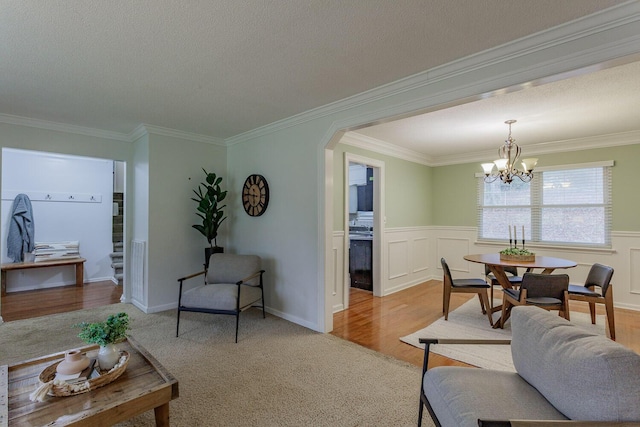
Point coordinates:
pixel 255 195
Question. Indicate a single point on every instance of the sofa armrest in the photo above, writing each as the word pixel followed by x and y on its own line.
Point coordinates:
pixel 461 341
pixel 552 423
pixel 429 341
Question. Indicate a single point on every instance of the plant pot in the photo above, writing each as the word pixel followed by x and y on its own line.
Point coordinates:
pixel 210 251
pixel 519 258
pixel 108 356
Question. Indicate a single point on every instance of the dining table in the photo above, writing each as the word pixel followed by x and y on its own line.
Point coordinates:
pixel 496 266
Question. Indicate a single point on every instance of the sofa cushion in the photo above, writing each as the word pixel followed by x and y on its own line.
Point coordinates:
pixel 586 376
pixel 460 396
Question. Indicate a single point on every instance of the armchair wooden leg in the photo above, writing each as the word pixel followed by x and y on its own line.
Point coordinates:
pixel 566 306
pixel 608 304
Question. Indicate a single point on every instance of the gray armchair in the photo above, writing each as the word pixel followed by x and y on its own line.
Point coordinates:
pixel 233 283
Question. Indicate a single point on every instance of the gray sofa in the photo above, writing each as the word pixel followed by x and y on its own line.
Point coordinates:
pixel 563 373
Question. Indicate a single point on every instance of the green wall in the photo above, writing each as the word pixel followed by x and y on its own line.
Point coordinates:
pixel 455 194
pixel 407 189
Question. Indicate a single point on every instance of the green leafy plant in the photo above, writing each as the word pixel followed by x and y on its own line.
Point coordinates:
pixel 209 196
pixel 516 251
pixel 111 331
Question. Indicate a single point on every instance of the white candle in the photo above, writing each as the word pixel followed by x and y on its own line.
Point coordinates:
pixel 515 234
pixel 523 234
pixel 509 233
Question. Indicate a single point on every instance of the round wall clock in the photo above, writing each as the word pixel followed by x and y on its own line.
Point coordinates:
pixel 255 195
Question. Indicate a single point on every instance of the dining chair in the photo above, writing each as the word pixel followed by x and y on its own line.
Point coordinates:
pixel 599 276
pixel 548 291
pixel 512 275
pixel 477 286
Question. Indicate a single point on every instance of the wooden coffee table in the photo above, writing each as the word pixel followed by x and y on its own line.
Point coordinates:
pixel 145 385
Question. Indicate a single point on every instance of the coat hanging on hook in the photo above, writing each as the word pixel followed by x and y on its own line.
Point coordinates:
pixel 21 229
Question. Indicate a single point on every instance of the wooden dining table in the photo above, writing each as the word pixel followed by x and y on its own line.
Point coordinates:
pixel 496 266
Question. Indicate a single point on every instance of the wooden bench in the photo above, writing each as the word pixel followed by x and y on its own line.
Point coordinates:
pixel 78 262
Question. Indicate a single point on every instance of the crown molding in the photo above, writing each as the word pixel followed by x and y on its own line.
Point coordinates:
pixel 172 133
pixel 62 127
pixel 382 147
pixel 140 130
pixel 550 147
pixel 592 25
pixel 588 143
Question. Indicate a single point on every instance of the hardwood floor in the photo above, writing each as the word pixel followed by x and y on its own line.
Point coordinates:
pixel 28 304
pixel 378 323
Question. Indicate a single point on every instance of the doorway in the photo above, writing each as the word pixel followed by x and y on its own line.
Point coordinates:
pixel 74 199
pixel 363 189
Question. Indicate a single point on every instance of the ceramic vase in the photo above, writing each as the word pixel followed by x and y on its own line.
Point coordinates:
pixel 108 356
pixel 73 363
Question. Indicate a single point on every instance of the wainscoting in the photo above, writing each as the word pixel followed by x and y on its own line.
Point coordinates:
pixel 412 255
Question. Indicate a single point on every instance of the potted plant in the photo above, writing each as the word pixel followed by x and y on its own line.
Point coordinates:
pixel 209 197
pixel 106 334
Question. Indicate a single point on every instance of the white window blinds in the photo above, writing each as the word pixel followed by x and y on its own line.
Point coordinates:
pixel 570 205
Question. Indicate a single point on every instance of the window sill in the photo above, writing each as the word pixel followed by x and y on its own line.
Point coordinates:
pixel 561 248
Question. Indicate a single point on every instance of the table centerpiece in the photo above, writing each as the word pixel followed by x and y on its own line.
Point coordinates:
pixel 514 253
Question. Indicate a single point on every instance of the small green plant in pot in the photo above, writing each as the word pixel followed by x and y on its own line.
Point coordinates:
pixel 106 334
pixel 209 197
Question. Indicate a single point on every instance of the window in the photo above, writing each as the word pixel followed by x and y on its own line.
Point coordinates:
pixel 563 205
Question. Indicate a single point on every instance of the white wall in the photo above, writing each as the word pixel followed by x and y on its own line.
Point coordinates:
pixel 166 213
pixel 60 219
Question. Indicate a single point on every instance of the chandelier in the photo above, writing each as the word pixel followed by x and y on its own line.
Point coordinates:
pixel 509 154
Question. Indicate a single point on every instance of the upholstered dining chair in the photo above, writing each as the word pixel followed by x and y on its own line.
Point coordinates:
pixel 599 276
pixel 477 286
pixel 548 291
pixel 233 283
pixel 512 275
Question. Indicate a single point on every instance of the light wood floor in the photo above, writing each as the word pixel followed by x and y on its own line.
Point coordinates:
pixel 378 323
pixel 375 323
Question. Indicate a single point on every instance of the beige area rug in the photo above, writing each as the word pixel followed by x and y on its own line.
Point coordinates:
pixel 279 373
pixel 468 322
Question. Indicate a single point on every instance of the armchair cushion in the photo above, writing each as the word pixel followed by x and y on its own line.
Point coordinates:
pixel 220 296
pixel 462 395
pixel 231 268
pixel 584 375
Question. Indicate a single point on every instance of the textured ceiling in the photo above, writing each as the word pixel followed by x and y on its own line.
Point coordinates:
pixel 604 102
pixel 220 67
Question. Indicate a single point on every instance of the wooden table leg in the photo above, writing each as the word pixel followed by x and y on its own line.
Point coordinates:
pixel 79 274
pixel 501 277
pixel 162 415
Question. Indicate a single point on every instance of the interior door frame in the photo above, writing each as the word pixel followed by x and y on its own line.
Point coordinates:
pixel 379 220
